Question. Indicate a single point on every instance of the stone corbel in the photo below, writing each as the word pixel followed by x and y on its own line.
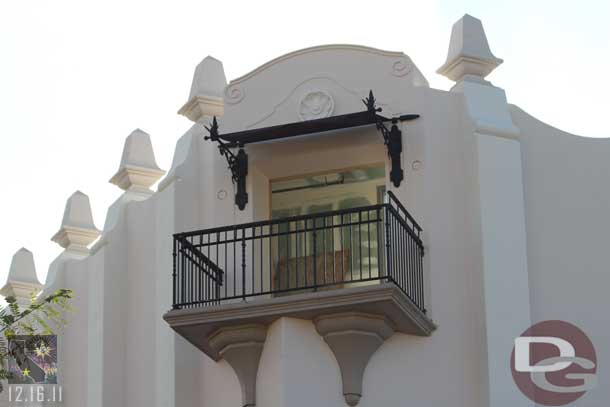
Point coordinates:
pixel 353 337
pixel 242 346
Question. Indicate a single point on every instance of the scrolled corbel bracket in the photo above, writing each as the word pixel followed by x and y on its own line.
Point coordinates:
pixel 353 338
pixel 242 346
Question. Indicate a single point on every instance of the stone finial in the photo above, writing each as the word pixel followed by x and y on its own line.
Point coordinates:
pixel 22 281
pixel 77 229
pixel 138 169
pixel 207 91
pixel 469 56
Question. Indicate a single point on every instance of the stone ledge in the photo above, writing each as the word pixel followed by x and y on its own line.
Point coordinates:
pixel 197 324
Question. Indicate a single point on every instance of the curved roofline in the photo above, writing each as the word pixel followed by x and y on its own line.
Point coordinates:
pixel 517 109
pixel 316 49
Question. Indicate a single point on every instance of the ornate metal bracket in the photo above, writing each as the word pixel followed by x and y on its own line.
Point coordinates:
pixel 238 164
pixel 392 137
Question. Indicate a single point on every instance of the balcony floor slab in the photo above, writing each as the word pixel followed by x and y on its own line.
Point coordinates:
pixel 197 324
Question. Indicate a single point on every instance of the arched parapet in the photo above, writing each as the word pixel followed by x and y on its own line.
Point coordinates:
pixel 317 82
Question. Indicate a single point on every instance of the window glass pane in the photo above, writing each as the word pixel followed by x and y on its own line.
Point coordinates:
pixel 344 247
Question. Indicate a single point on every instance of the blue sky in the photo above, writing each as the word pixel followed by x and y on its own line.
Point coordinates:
pixel 77 77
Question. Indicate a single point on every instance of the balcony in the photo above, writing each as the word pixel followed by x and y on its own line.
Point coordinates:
pixel 353 271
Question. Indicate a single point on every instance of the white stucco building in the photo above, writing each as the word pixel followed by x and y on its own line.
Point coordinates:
pixel 328 267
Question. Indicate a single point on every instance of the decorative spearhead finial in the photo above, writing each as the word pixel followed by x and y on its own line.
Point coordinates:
pixel 369 102
pixel 213 130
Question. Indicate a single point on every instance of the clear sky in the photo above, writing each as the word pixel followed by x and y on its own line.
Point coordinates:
pixel 76 77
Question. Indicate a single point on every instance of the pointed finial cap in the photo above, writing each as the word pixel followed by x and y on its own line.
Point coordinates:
pixel 469 53
pixel 22 281
pixel 207 91
pixel 138 169
pixel 77 229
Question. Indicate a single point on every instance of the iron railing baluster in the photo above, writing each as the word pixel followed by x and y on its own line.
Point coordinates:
pixel 201 263
pixel 242 252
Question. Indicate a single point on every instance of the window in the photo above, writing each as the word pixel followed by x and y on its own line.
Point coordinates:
pixel 350 251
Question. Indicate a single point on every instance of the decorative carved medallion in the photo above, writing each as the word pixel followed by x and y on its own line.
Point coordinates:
pixel 234 94
pixel 401 67
pixel 316 105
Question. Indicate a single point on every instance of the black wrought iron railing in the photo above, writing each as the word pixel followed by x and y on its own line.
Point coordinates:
pixel 308 253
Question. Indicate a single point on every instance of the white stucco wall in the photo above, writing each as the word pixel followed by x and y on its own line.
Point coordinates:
pixel 459 180
pixel 567 212
pixel 296 360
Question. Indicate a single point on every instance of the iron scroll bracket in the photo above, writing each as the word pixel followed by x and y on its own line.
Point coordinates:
pixel 238 164
pixel 392 137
